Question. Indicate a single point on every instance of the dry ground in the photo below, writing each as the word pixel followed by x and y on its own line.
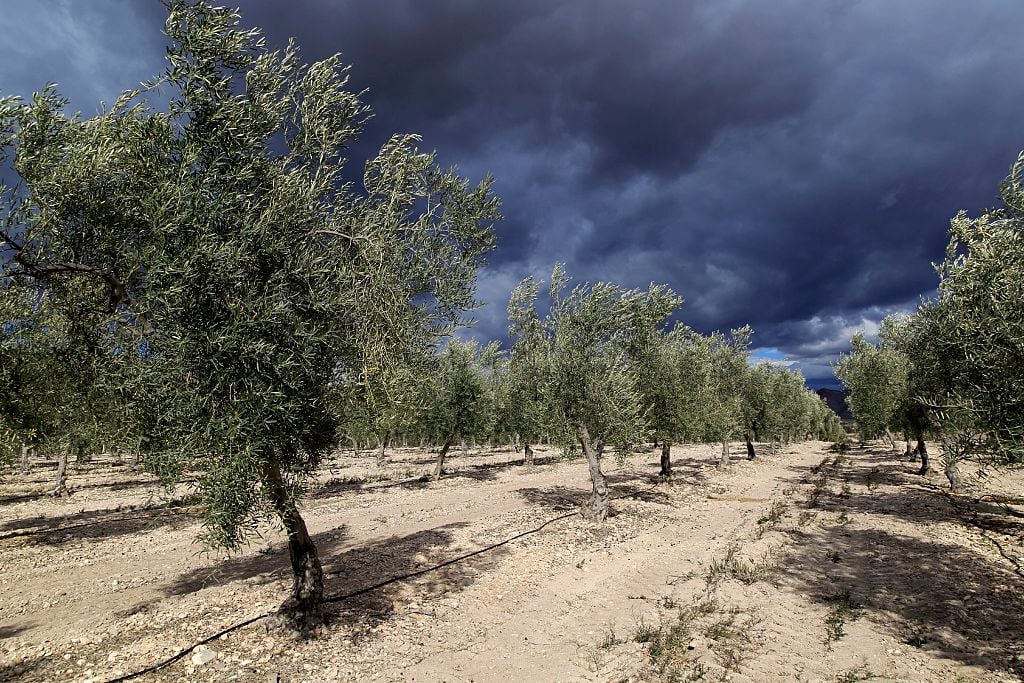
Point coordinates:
pixel 790 567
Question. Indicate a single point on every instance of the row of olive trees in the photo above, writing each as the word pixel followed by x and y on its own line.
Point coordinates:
pixel 602 369
pixel 952 369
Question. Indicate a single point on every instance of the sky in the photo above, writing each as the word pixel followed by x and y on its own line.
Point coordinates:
pixel 792 165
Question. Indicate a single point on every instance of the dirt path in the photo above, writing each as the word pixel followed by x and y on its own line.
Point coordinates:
pixel 565 604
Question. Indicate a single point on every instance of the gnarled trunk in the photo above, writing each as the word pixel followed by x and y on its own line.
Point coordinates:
pixel 909 453
pixel 527 455
pixel 922 450
pixel 666 459
pixel 890 438
pixel 304 609
pixel 61 488
pixel 724 461
pixel 24 459
pixel 596 508
pixel 751 453
pixel 439 467
pixel 382 458
pixel 953 475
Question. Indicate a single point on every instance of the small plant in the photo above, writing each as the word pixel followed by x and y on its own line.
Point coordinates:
pixel 805 517
pixel 846 491
pixel 775 513
pixel 843 519
pixel 832 556
pixel 861 673
pixel 644 632
pixel 733 636
pixel 668 602
pixel 609 638
pixel 842 607
pixel 731 566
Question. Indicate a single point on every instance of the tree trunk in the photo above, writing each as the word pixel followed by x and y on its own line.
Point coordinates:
pixel 527 455
pixel 666 459
pixel 922 450
pixel 24 459
pixel 595 509
pixel 61 488
pixel 304 609
pixel 910 448
pixel 724 461
pixel 751 453
pixel 439 467
pixel 953 475
pixel 891 438
pixel 516 443
pixel 382 458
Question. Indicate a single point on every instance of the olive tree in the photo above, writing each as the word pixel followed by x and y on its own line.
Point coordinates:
pixel 239 271
pixel 594 398
pixel 525 408
pixel 459 406
pixel 876 376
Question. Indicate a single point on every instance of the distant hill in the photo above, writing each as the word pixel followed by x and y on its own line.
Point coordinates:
pixel 836 400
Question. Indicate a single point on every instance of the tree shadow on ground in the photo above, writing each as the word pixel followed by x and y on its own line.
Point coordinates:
pixel 561 498
pixel 892 489
pixel 355 568
pixel 11 630
pixel 474 472
pixel 94 525
pixel 942 597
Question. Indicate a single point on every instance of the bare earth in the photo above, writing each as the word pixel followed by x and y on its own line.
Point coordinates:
pixel 787 567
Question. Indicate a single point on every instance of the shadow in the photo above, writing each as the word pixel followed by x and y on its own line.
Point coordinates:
pixel 18 670
pixel 943 598
pixel 565 498
pixel 74 487
pixel 480 472
pixel 94 525
pixel 358 567
pixel 11 630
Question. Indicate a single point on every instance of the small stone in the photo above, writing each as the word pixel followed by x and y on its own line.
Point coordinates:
pixel 202 655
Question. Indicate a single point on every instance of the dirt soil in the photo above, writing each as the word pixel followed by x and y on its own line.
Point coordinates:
pixel 794 566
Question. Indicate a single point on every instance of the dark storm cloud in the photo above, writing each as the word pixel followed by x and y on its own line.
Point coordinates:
pixel 791 165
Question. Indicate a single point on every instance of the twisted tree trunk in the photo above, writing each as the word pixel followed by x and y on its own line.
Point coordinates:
pixel 527 455
pixel 909 453
pixel 439 467
pixel 596 508
pixel 751 453
pixel 24 459
pixel 382 458
pixel 922 450
pixel 304 609
pixel 724 461
pixel 666 459
pixel 953 475
pixel 61 488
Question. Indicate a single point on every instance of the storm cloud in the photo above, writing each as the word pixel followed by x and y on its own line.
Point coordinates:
pixel 791 165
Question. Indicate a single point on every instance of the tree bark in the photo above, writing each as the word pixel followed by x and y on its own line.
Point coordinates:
pixel 61 488
pixel 953 475
pixel 527 455
pixel 24 459
pixel 922 450
pixel 910 448
pixel 751 453
pixel 666 459
pixel 891 438
pixel 595 509
pixel 304 609
pixel 382 458
pixel 724 461
pixel 439 467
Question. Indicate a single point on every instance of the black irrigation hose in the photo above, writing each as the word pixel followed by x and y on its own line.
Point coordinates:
pixel 345 596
